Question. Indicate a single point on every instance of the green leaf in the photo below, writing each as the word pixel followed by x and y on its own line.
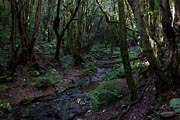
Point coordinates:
pixel 175 104
pixel 167 114
pixel 3 88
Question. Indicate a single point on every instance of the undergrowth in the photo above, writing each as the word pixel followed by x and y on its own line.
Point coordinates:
pixel 88 68
pixel 5 106
pixel 115 73
pixel 3 88
pixel 105 92
pixel 50 77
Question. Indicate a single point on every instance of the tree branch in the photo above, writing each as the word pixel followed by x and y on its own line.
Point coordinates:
pixel 71 19
pixel 109 21
pixel 106 16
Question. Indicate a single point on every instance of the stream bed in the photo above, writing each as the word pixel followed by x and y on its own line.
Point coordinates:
pixel 70 104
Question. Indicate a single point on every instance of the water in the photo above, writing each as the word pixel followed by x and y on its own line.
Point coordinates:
pixel 71 103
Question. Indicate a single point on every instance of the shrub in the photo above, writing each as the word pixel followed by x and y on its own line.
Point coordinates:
pixel 115 73
pixel 50 77
pixel 3 88
pixel 106 92
pixel 5 106
pixel 134 52
pixel 88 68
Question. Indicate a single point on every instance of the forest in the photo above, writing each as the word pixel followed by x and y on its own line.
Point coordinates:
pixel 89 60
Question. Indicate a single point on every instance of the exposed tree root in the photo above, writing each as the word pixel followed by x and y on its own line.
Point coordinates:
pixel 120 116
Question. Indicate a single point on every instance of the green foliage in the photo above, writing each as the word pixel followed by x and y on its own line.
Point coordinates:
pixel 97 47
pixel 3 88
pixel 88 65
pixel 106 50
pixel 135 64
pixel 106 91
pixel 50 77
pixel 134 52
pixel 27 101
pixel 88 68
pixel 66 61
pixel 175 104
pixel 45 47
pixel 115 73
pixel 5 106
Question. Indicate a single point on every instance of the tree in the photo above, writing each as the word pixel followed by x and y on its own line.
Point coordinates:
pixel 60 35
pixel 13 40
pixel 27 43
pixel 124 50
pixel 124 47
pixel 145 43
pixel 77 43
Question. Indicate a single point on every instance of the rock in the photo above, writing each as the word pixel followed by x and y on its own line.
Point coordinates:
pixel 175 104
pixel 167 114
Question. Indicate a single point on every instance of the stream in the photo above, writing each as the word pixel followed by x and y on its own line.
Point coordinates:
pixel 70 104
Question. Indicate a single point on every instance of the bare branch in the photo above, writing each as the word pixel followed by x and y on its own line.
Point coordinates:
pixel 106 16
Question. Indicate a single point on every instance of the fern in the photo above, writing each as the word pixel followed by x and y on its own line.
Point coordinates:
pixel 3 88
pixel 51 77
pixel 115 73
pixel 106 92
pixel 5 106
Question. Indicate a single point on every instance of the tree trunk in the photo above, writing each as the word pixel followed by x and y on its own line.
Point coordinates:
pixel 162 82
pixel 171 39
pixel 124 51
pixel 14 50
pixel 61 35
pixel 36 28
pixel 77 44
pixel 55 28
pixel 176 54
pixel 145 43
pixel 23 57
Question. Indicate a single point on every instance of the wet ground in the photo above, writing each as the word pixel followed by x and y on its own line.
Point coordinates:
pixel 67 105
pixel 71 103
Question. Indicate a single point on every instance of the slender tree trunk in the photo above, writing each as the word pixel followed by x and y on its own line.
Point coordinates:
pixel 36 28
pixel 56 27
pixel 77 44
pixel 124 51
pixel 61 34
pixel 14 50
pixel 23 57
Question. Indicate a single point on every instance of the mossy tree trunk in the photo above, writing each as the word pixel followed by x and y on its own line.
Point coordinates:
pixel 77 43
pixel 162 82
pixel 14 50
pixel 124 51
pixel 145 43
pixel 60 35
pixel 23 14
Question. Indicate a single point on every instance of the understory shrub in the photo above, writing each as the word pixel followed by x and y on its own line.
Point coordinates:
pixel 5 106
pixel 106 92
pixel 115 73
pixel 3 88
pixel 88 68
pixel 50 77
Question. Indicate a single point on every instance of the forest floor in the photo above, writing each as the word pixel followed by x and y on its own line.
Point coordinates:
pixel 147 107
